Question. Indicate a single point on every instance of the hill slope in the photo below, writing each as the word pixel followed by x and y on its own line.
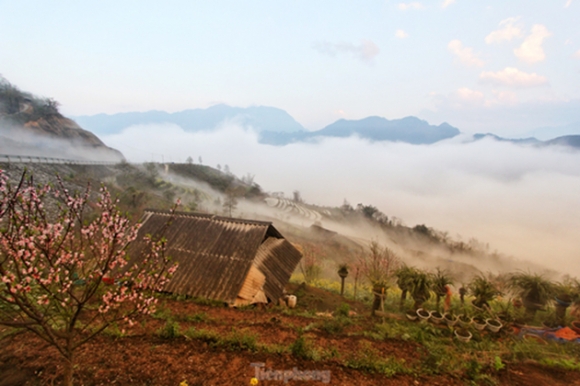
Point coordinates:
pixel 32 126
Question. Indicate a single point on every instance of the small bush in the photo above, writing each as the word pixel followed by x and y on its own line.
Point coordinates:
pixel 303 349
pixel 435 359
pixel 239 340
pixel 163 313
pixel 332 326
pixel 342 310
pixel 498 364
pixel 170 330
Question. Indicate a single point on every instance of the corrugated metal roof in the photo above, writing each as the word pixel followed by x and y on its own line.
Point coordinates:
pixel 277 259
pixel 215 253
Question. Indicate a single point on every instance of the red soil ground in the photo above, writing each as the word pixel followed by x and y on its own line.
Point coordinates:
pixel 143 358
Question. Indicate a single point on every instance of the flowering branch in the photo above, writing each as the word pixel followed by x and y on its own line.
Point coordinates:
pixel 54 265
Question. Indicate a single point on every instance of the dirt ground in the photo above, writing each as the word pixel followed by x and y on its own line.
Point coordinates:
pixel 143 358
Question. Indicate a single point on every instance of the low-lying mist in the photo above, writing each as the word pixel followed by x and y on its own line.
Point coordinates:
pixel 19 141
pixel 523 201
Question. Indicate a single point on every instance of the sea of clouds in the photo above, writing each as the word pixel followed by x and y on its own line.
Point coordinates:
pixel 524 201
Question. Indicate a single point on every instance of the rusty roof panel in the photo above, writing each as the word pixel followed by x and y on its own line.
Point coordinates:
pixel 215 253
pixel 277 259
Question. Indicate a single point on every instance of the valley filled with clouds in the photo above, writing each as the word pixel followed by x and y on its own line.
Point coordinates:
pixel 522 200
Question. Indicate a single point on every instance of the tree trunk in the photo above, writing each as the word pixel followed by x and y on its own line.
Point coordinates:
pixel 379 294
pixel 68 371
pixel 561 314
pixel 355 283
pixel 342 286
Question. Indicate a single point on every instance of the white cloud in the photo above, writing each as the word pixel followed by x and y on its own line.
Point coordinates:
pixel 365 51
pixel 531 50
pixel 464 54
pixel 507 31
pixel 401 34
pixel 463 98
pixel 469 100
pixel 447 3
pixel 568 2
pixel 512 77
pixel 468 95
pixel 412 5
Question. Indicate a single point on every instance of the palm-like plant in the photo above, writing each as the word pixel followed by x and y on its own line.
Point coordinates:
pixel 441 279
pixel 483 290
pixel 535 291
pixel 343 273
pixel 404 277
pixel 420 290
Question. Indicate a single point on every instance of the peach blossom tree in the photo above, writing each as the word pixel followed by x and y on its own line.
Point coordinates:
pixel 64 270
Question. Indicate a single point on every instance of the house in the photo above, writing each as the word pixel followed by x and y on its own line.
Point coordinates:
pixel 236 261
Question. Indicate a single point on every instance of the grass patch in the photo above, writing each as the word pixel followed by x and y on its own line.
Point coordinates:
pixel 369 359
pixel 198 317
pixel 207 302
pixel 335 325
pixel 236 340
pixel 163 314
pixel 114 331
pixel 170 330
pixel 303 348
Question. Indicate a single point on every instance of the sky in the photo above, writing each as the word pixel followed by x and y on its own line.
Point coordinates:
pixel 508 67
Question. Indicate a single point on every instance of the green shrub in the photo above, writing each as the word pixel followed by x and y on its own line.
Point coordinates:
pixel 304 349
pixel 342 310
pixel 239 340
pixel 170 330
pixel 163 313
pixel 498 363
pixel 335 325
pixel 565 364
pixel 435 358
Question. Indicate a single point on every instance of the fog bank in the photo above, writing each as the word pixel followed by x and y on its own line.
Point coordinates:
pixel 524 201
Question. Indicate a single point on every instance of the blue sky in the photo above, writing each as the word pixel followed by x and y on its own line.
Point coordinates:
pixel 508 67
pixel 489 65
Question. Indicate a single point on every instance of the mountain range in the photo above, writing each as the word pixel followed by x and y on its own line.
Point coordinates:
pixel 276 127
pixel 30 125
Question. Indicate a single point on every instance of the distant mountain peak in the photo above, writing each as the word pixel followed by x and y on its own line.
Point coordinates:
pixel 260 118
